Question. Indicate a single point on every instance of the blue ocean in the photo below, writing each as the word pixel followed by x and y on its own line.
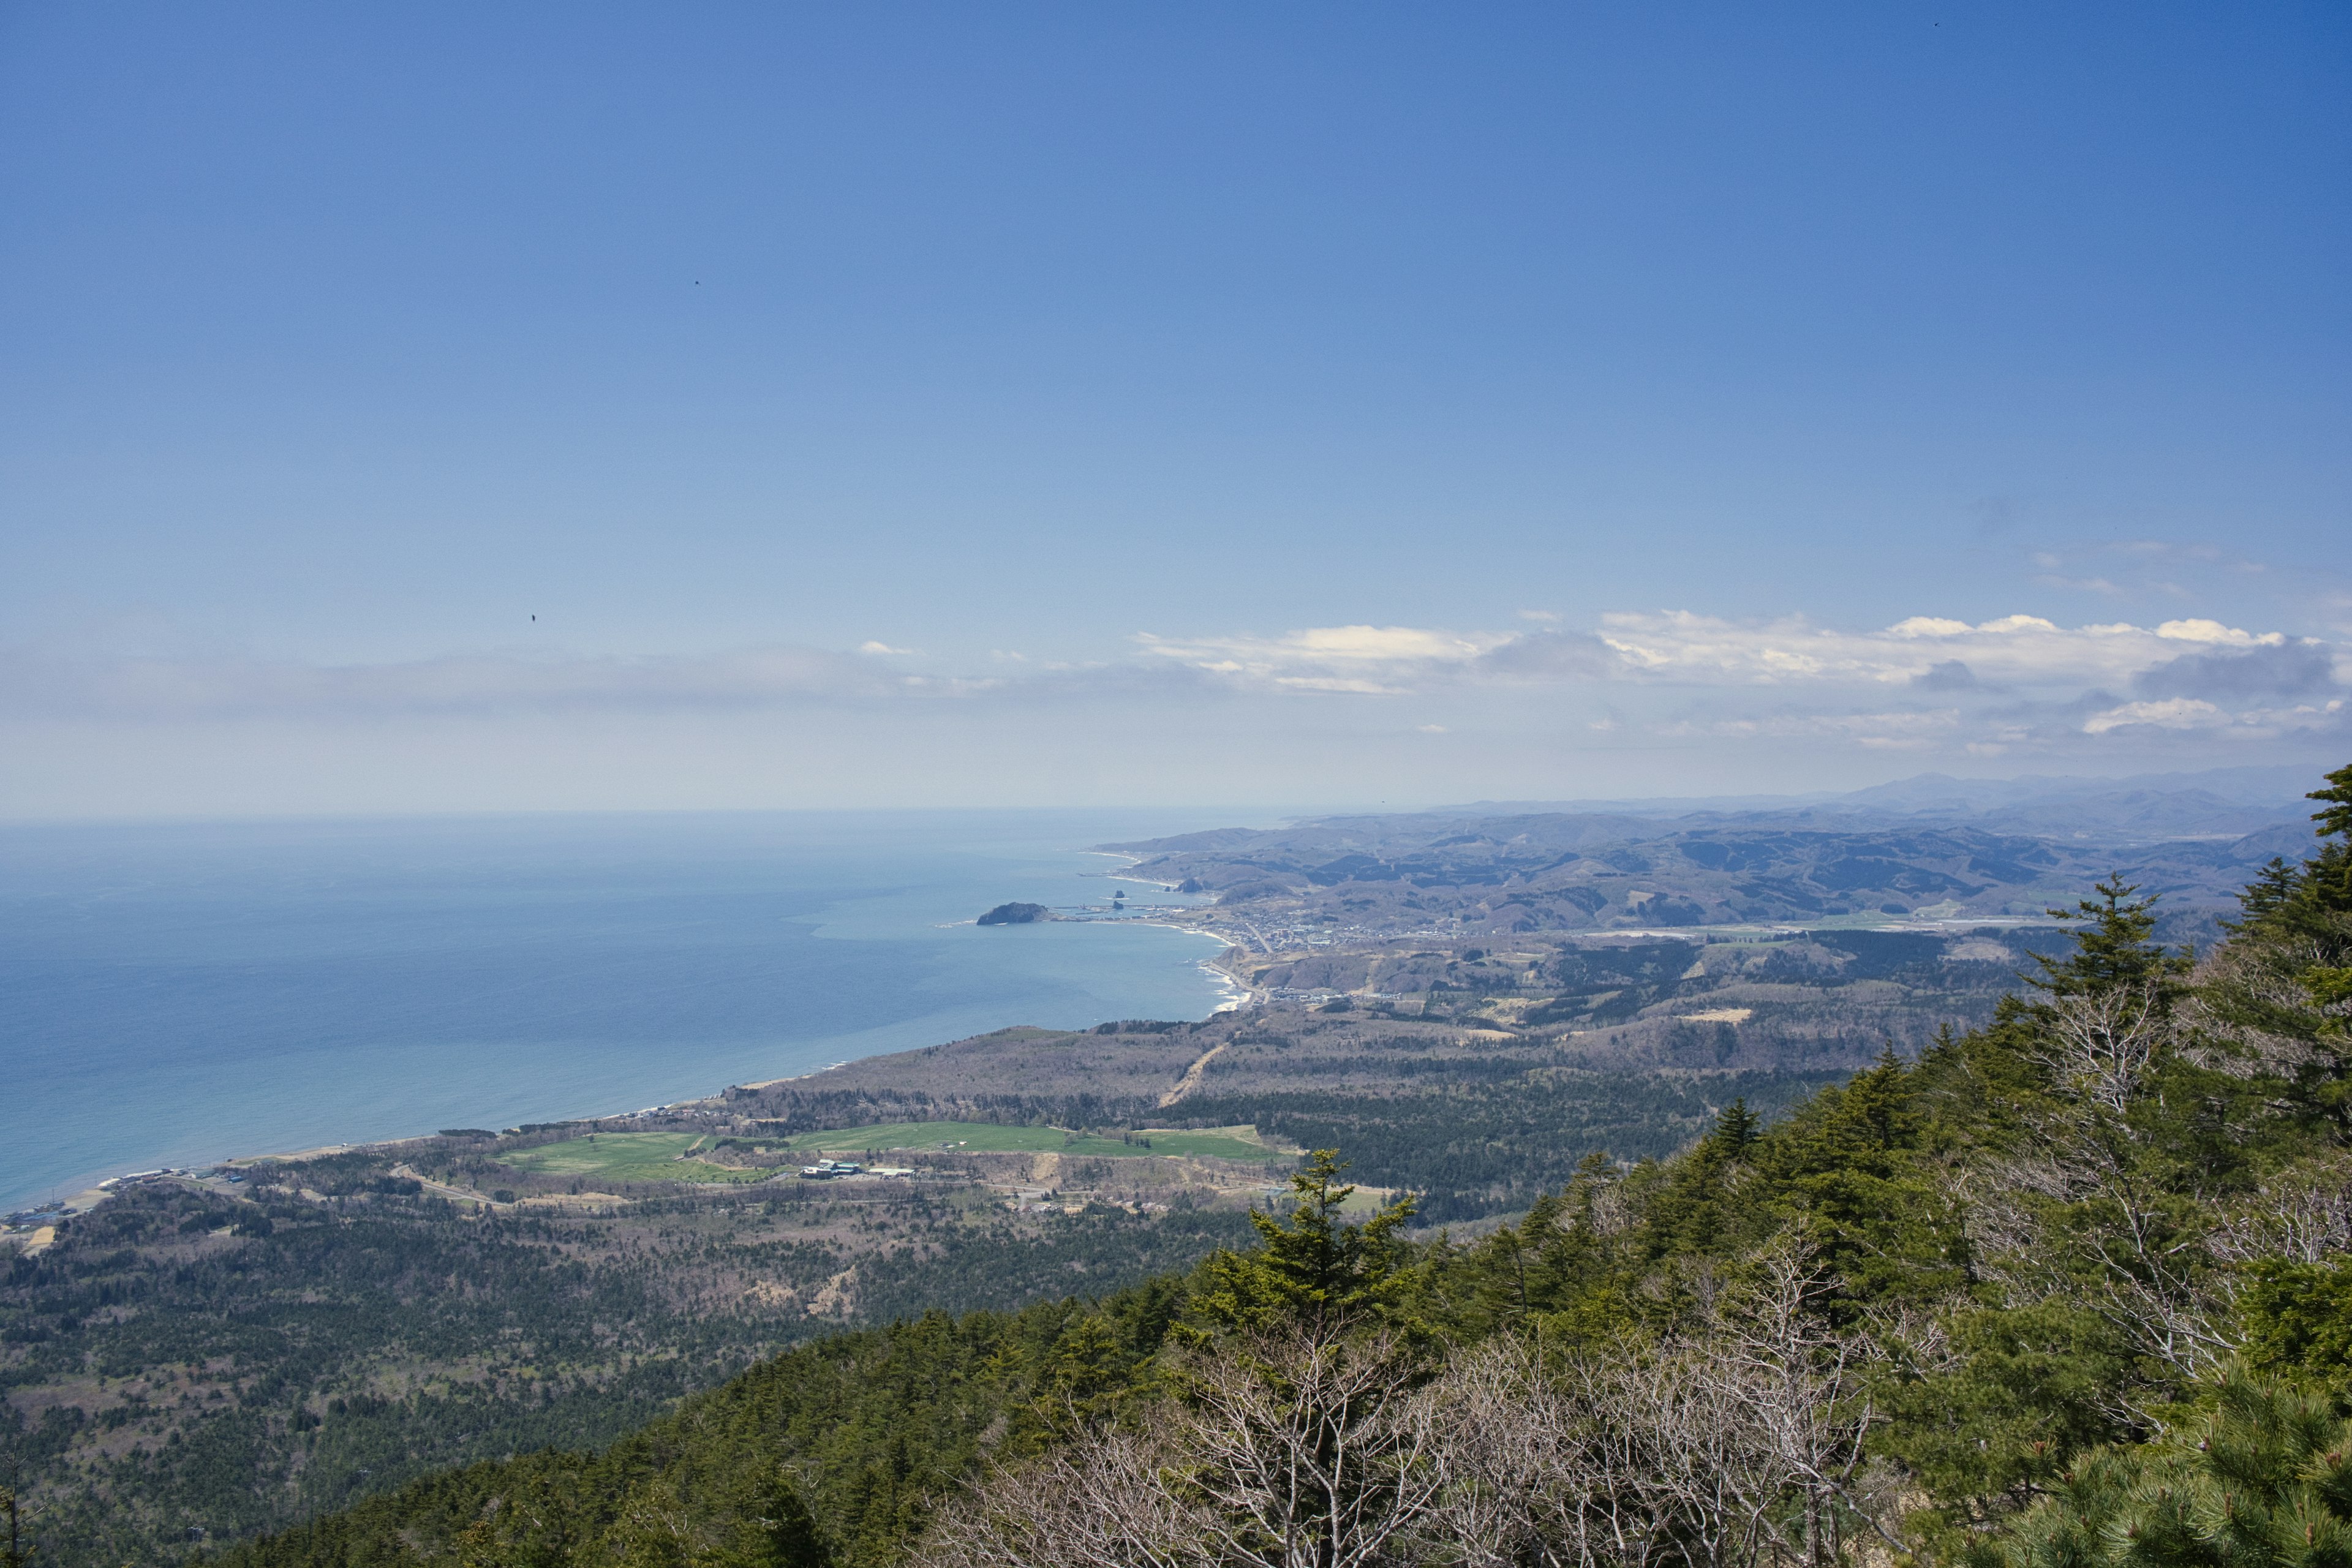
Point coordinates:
pixel 175 994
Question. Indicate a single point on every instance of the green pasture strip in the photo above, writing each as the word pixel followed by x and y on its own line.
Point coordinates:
pixel 1209 1146
pixel 989 1138
pixel 627 1157
pixel 972 1137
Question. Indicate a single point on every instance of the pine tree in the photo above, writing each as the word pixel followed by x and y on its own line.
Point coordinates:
pixel 2271 889
pixel 2114 950
pixel 2286 975
pixel 2265 1482
pixel 788 1536
pixel 1315 1270
pixel 2297 1319
pixel 2328 875
pixel 1736 1129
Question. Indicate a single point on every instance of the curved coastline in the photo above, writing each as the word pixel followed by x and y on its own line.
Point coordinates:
pixel 262 1042
pixel 91 1189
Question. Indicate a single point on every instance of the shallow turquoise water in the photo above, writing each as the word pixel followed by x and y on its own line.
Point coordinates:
pixel 175 994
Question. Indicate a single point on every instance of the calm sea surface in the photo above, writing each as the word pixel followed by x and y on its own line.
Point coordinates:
pixel 175 994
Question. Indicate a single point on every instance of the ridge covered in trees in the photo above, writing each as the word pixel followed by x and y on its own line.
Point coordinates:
pixel 2070 1290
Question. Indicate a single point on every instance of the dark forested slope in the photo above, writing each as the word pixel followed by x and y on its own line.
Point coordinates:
pixel 183 1368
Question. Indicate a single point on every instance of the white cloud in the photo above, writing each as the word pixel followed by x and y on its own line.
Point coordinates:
pixel 1373 660
pixel 2214 634
pixel 2173 713
pixel 2024 650
pixel 2011 684
pixel 2193 714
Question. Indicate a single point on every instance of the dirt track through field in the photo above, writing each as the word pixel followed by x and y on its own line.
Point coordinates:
pixel 1192 1079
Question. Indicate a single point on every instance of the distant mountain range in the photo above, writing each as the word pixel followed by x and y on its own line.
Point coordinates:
pixel 1928 848
pixel 2215 802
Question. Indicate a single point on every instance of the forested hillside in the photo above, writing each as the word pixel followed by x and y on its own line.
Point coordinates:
pixel 182 1368
pixel 1474 1076
pixel 2071 1288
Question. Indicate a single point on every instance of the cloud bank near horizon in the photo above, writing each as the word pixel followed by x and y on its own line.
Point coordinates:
pixel 1927 683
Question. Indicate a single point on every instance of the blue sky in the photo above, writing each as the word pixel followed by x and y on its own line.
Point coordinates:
pixel 1308 403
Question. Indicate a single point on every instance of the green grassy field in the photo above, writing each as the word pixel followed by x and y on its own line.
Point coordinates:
pixel 984 1137
pixel 1211 1144
pixel 627 1157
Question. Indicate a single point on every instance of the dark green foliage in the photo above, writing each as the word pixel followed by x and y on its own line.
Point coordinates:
pixel 1467 1150
pixel 2265 1481
pixel 2330 873
pixel 1316 1268
pixel 2298 1319
pixel 1736 1129
pixel 274 1368
pixel 2112 948
pixel 2286 976
pixel 830 1454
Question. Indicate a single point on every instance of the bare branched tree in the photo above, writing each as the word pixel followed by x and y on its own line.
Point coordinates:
pixel 1775 1361
pixel 1296 1450
pixel 2142 1264
pixel 1111 1500
pixel 1510 1454
pixel 2099 1047
pixel 1549 1467
pixel 2255 1000
pixel 1310 1451
pixel 1736 1443
pixel 2303 1213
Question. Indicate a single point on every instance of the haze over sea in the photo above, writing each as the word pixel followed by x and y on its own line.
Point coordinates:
pixel 175 994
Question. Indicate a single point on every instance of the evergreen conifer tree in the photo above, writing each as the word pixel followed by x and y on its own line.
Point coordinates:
pixel 1316 1271
pixel 2265 1482
pixel 2114 950
pixel 2285 980
pixel 788 1536
pixel 2329 873
pixel 1736 1129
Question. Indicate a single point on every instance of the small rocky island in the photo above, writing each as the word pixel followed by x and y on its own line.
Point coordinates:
pixel 1015 915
